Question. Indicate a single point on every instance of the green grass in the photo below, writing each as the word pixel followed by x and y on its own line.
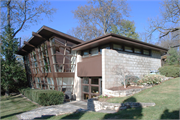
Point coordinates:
pixel 14 105
pixel 166 96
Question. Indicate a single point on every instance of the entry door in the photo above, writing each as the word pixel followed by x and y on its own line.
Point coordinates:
pixel 91 87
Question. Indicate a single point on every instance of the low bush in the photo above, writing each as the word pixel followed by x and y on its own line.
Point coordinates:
pixel 130 80
pixel 151 79
pixel 43 97
pixel 170 71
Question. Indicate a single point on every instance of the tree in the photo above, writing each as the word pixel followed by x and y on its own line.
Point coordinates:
pixel 96 18
pixel 12 73
pixel 123 74
pixel 173 58
pixel 20 14
pixel 126 28
pixel 169 19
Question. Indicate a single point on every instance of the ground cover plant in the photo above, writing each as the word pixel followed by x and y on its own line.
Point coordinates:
pixel 166 97
pixel 14 105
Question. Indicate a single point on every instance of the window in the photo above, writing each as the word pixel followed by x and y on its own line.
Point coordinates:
pixel 44 58
pixel 128 49
pixel 146 52
pixel 34 62
pixel 95 81
pixel 50 83
pixel 44 83
pixel 117 47
pixel 38 83
pixel 104 47
pixel 86 53
pixel 65 84
pixel 63 59
pixel 137 50
pixel 94 51
pixel 85 80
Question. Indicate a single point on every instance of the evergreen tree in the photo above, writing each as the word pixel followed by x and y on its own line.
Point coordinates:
pixel 126 28
pixel 12 73
pixel 173 57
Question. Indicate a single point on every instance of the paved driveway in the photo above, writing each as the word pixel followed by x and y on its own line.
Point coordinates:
pixel 69 107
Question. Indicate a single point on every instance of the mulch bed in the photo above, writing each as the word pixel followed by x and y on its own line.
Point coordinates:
pixel 122 88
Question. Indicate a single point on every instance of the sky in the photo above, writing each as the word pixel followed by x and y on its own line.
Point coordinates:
pixel 63 20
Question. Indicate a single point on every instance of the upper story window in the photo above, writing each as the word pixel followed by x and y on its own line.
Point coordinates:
pixel 86 53
pixel 117 47
pixel 136 50
pixel 146 52
pixel 63 58
pixel 104 47
pixel 94 51
pixel 128 49
pixel 35 68
pixel 27 64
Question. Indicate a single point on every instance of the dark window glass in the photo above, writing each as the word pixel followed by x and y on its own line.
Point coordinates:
pixel 137 50
pixel 95 81
pixel 94 51
pixel 146 52
pixel 104 47
pixel 86 96
pixel 117 47
pixel 128 49
pixel 85 88
pixel 94 89
pixel 85 53
pixel 85 80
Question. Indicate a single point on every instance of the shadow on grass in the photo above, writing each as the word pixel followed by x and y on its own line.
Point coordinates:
pixel 44 117
pixel 129 113
pixel 5 116
pixel 170 115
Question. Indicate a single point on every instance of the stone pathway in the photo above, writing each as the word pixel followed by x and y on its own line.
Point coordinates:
pixel 53 110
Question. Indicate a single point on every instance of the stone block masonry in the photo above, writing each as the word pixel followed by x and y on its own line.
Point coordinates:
pixel 137 64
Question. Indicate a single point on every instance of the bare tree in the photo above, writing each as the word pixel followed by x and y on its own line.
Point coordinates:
pixel 97 17
pixel 20 14
pixel 168 21
pixel 122 72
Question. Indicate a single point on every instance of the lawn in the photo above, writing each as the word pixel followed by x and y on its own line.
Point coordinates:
pixel 166 96
pixel 14 105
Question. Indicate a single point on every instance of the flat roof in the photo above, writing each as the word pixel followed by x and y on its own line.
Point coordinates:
pixel 111 37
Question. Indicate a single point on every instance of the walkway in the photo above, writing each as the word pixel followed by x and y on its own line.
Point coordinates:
pixel 53 110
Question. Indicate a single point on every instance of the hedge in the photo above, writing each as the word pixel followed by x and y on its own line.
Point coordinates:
pixel 43 97
pixel 170 71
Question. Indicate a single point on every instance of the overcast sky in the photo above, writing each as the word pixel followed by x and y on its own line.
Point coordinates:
pixel 63 19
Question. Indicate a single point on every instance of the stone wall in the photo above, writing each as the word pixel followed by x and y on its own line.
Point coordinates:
pixel 95 105
pixel 136 64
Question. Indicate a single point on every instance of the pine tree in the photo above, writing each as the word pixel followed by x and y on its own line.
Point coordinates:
pixel 11 71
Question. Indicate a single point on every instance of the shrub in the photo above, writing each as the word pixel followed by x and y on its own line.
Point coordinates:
pixel 170 71
pixel 43 97
pixel 151 79
pixel 130 79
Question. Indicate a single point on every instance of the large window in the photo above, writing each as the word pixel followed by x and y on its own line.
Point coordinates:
pixel 65 84
pixel 50 83
pixel 38 83
pixel 91 87
pixel 44 58
pixel 35 68
pixel 63 59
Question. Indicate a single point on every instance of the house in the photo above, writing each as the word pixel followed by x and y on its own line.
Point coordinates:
pixel 57 61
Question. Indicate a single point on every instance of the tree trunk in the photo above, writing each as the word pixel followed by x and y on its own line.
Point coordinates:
pixel 8 15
